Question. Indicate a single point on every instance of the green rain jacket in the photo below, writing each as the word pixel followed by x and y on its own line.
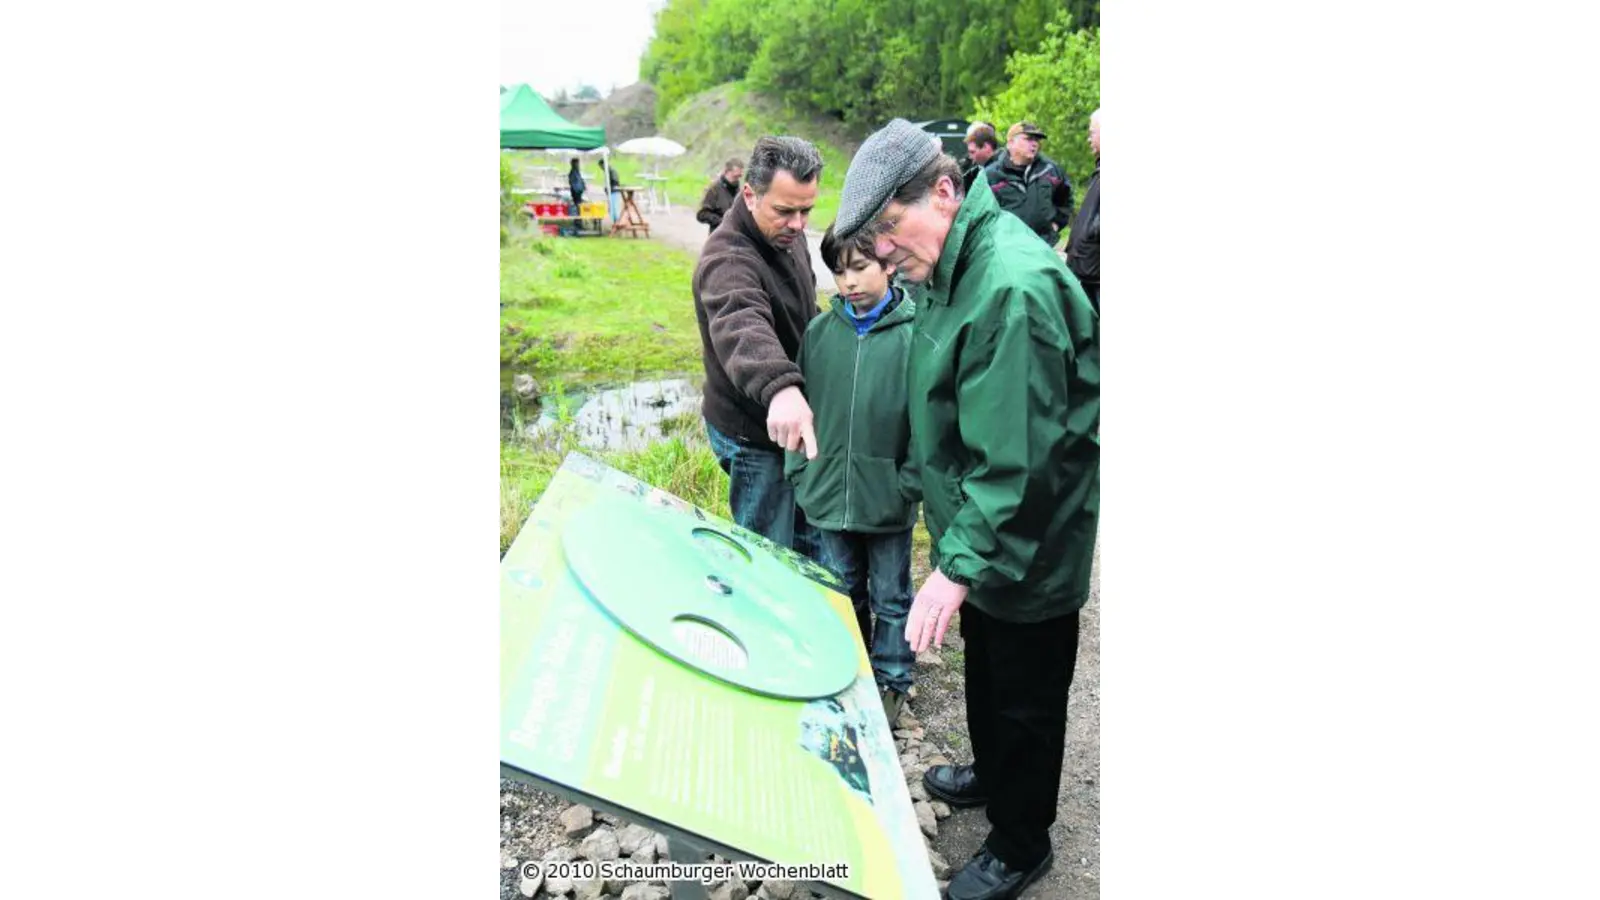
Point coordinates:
pixel 856 386
pixel 1005 416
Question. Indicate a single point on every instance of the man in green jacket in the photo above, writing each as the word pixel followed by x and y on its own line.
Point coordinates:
pixel 1004 387
pixel 853 358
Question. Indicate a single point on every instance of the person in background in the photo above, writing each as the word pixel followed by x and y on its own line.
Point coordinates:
pixel 754 293
pixel 1083 247
pixel 853 358
pixel 575 184
pixel 1003 381
pixel 720 194
pixel 981 146
pixel 1027 183
pixel 614 192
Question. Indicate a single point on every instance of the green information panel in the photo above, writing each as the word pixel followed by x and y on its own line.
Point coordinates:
pixel 667 664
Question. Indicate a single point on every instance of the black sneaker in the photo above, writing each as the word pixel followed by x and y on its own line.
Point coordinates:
pixel 955 785
pixel 987 878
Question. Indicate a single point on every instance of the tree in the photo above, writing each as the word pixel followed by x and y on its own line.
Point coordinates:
pixel 587 92
pixel 859 61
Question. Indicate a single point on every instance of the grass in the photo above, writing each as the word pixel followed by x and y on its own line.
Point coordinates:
pixel 681 464
pixel 596 309
pixel 576 311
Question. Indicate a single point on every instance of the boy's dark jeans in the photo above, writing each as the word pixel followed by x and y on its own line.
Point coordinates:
pixel 761 500
pixel 876 569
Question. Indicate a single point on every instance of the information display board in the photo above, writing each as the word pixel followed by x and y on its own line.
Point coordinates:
pixel 668 665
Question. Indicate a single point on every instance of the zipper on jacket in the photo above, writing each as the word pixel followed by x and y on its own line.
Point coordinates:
pixel 850 438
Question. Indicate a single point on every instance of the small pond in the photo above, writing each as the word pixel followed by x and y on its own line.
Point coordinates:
pixel 626 417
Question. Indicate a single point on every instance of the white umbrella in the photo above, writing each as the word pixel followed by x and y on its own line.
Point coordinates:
pixel 657 146
pixel 652 146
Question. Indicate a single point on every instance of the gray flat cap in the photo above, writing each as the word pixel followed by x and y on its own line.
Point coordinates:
pixel 885 161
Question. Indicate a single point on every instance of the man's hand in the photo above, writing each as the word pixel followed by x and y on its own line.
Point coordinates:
pixel 789 421
pixel 932 610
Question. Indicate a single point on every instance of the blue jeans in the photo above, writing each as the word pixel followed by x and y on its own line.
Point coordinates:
pixel 761 499
pixel 877 570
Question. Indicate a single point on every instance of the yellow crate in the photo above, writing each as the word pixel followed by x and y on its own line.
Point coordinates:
pixel 594 211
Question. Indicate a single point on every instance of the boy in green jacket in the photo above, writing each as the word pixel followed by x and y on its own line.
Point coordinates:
pixel 853 358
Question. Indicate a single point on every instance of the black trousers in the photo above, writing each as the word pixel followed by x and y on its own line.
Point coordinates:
pixel 1017 680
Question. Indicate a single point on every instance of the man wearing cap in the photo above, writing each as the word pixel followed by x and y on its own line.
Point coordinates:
pixel 1083 247
pixel 1004 382
pixel 754 294
pixel 981 146
pixel 1028 183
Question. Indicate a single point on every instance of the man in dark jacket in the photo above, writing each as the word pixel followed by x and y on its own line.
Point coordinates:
pixel 1083 248
pixel 754 292
pixel 982 145
pixel 720 194
pixel 1029 184
pixel 1004 386
pixel 575 184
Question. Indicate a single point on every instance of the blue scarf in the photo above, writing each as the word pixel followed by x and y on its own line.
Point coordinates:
pixel 866 320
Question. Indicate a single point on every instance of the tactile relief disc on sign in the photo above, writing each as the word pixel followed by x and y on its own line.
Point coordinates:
pixel 704 597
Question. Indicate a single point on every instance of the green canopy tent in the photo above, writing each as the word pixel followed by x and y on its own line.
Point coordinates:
pixel 528 123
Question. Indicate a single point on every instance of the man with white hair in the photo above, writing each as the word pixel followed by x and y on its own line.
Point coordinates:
pixel 1003 378
pixel 1083 248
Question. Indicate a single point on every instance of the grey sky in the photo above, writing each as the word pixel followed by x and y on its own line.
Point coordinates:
pixel 551 44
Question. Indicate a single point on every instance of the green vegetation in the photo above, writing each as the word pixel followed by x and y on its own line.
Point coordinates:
pixel 596 309
pixel 509 202
pixel 587 310
pixel 1057 88
pixel 728 71
pixel 858 61
pixel 682 464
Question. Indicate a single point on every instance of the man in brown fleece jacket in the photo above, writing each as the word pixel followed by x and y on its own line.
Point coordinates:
pixel 754 294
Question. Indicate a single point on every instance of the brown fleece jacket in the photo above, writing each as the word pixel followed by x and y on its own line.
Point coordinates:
pixel 753 302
